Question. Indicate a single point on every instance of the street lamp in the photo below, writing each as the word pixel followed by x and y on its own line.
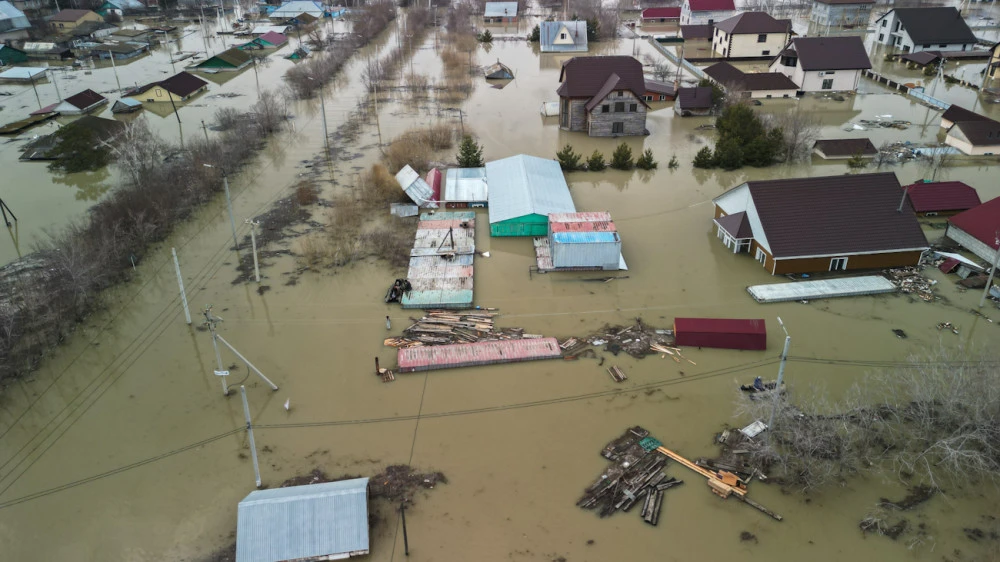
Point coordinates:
pixel 781 375
pixel 229 202
pixel 322 106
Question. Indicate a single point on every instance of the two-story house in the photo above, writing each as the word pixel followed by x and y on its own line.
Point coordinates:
pixel 750 34
pixel 841 13
pixel 924 29
pixel 67 20
pixel 602 96
pixel 823 64
pixel 706 12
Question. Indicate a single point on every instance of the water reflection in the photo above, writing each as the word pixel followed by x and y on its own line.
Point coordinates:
pixel 90 186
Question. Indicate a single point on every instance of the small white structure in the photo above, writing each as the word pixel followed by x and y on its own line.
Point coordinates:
pixel 23 74
pixel 465 188
pixel 584 241
pixel 418 190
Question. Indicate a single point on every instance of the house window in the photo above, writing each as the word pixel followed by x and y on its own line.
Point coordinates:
pixel 562 35
pixel 942 46
pixel 723 51
pixel 621 94
pixel 828 84
pixel 838 264
pixel 898 25
pixel 765 53
pixel 881 37
pixel 647 98
pixel 633 107
pixel 928 46
pixel 619 107
pixel 768 96
pixel 662 98
pixel 761 256
pixel 762 38
pixel 884 22
pixel 617 128
pixel 605 108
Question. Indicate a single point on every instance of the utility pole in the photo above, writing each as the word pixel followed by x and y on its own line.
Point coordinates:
pixel 781 376
pixel 32 78
pixel 989 281
pixel 220 372
pixel 253 446
pixel 229 203
pixel 322 108
pixel 180 283
pixel 55 84
pixel 406 539
pixel 253 241
pixel 204 128
pixel 115 68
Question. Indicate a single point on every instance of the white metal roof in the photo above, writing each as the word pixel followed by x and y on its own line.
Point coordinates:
pixel 418 190
pixel 465 185
pixel 523 185
pixel 22 73
pixel 303 522
pixel 500 9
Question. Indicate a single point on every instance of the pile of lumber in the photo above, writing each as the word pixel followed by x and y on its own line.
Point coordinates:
pixel 672 352
pixel 637 340
pixel 616 373
pixel 442 327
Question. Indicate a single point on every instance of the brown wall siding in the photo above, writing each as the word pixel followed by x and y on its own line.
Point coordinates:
pixel 866 261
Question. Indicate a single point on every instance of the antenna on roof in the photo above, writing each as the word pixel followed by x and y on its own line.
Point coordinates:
pixel 903 200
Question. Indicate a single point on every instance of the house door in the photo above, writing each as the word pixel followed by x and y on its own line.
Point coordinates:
pixel 838 264
pixel 617 128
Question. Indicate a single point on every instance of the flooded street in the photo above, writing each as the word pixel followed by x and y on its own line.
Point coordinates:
pixel 122 447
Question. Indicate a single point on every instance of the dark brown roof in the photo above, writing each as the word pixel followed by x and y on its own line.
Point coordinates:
pixel 837 2
pixel 658 87
pixel 957 113
pixel 846 147
pixel 979 133
pixel 753 22
pixel 942 196
pixel 835 215
pixel 585 77
pixel 920 57
pixel 697 31
pixel 69 15
pixel 943 25
pixel 736 224
pixel 831 53
pixel 85 99
pixel 183 84
pixel 731 77
pixel 694 98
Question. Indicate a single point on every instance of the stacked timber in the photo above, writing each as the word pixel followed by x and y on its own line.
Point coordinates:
pixel 637 340
pixel 443 327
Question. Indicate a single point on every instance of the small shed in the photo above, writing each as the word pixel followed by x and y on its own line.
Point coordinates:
pixel 465 188
pixel 693 101
pixel 298 54
pixel 841 149
pixel 23 74
pixel 500 12
pixel 498 71
pixel 523 191
pixel 725 333
pixel 976 229
pixel 11 55
pixel 126 105
pixel 584 241
pixel 942 198
pixel 308 523
pixel 418 190
pixel 82 102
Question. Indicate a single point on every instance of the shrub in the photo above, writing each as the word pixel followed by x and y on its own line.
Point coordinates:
pixel 857 161
pixel 621 158
pixel 596 162
pixel 673 164
pixel 485 37
pixel 306 193
pixel 646 162
pixel 704 159
pixel 568 159
pixel 536 34
pixel 470 154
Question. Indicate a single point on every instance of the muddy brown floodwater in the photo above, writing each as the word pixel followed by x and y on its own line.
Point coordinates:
pixel 122 447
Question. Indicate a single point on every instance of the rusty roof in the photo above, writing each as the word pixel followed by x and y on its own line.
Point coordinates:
pixel 831 53
pixel 753 22
pixel 982 222
pixel 711 5
pixel 942 196
pixel 835 215
pixel 585 77
pixel 846 147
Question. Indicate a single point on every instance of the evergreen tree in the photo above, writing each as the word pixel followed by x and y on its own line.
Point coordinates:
pixel 536 34
pixel 621 158
pixel 470 154
pixel 568 159
pixel 593 30
pixel 646 162
pixel 704 159
pixel 596 162
pixel 729 153
pixel 485 37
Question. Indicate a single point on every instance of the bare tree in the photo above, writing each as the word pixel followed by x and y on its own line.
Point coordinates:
pixel 270 111
pixel 800 131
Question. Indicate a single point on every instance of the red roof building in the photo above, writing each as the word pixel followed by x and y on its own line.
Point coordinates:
pixel 943 198
pixel 978 229
pixel 724 333
pixel 661 15
pixel 706 12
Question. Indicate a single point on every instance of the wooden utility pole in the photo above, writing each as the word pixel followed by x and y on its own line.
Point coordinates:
pixel 253 446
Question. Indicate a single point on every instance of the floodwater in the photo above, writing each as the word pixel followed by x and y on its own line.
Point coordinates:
pixel 122 447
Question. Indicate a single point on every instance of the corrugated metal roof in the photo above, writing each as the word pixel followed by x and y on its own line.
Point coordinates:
pixel 550 42
pixel 415 187
pixel 720 325
pixel 585 216
pixel 942 196
pixel 22 73
pixel 500 9
pixel 292 9
pixel 303 522
pixel 526 185
pixel 982 222
pixel 585 237
pixel 465 185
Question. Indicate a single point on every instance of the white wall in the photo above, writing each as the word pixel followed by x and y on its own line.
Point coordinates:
pixel 843 80
pixel 971 243
pixel 746 45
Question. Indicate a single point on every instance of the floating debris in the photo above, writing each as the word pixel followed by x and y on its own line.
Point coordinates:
pixel 617 374
pixel 948 326
pixel 442 327
pixel 910 281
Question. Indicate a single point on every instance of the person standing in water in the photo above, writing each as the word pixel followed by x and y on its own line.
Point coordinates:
pixel 388 323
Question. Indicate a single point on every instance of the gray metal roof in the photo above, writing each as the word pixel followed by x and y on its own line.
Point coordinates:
pixel 465 185
pixel 548 36
pixel 22 73
pixel 9 12
pixel 415 187
pixel 524 185
pixel 303 522
pixel 500 9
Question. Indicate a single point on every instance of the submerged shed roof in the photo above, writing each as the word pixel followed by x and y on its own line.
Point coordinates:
pixel 303 522
pixel 500 9
pixel 526 185
pixel 943 196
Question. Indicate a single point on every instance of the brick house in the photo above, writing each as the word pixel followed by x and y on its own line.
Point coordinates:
pixel 808 225
pixel 603 96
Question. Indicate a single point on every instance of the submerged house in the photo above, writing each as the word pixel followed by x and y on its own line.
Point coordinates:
pixel 290 10
pixel 87 100
pixel 313 522
pixel 920 29
pixel 465 188
pixel 976 229
pixel 694 101
pixel 841 13
pixel 500 12
pixel 603 96
pixel 67 20
pixel 970 132
pixel 498 71
pixel 706 12
pixel 226 61
pixel 523 191
pixel 808 225
pixel 750 35
pixel 562 36
pixel 268 40
pixel 584 241
pixel 11 55
pixel 823 64
pixel 844 149
pixel 660 15
pixel 942 198
pixel 751 84
pixel 179 87
pixel 13 23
